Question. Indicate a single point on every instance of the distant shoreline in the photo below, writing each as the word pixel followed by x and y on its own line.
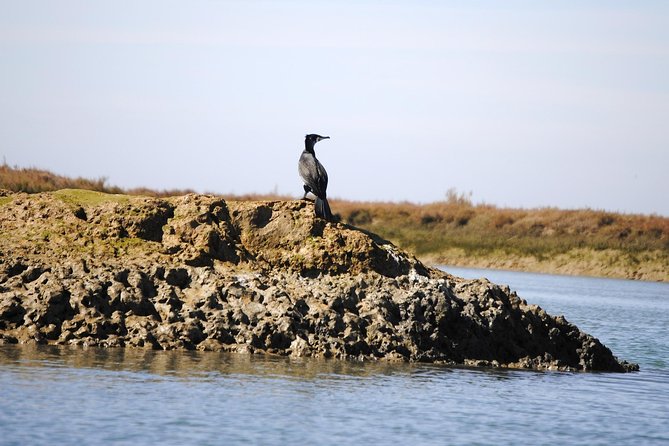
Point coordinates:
pixel 570 242
pixel 460 233
pixel 584 263
pixel 609 263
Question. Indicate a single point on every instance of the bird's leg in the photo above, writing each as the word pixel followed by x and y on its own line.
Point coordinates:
pixel 307 189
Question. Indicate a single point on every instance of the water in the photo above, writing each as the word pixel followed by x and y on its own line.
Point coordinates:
pixel 51 395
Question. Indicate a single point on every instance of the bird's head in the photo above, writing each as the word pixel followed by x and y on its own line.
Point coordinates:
pixel 313 138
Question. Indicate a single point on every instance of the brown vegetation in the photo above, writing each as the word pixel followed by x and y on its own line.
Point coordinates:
pixel 586 241
pixel 32 180
pixel 541 232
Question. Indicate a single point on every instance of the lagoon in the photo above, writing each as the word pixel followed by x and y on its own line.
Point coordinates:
pixel 67 395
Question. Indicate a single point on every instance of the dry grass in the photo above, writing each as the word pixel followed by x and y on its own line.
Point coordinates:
pixel 33 180
pixel 434 227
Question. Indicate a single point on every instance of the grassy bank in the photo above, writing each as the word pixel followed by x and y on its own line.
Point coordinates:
pixel 586 242
pixel 457 232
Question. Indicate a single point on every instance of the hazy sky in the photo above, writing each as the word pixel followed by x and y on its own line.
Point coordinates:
pixel 524 103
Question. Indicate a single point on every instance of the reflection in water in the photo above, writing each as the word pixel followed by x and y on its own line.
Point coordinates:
pixel 203 365
pixel 194 364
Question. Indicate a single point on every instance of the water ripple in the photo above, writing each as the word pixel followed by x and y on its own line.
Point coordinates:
pixel 60 395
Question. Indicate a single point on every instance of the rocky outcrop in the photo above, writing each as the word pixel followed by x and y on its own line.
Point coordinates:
pixel 197 272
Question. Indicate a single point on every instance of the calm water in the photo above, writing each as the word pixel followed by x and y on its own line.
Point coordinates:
pixel 54 395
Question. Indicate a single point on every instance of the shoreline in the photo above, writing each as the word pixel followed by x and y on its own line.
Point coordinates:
pixel 582 263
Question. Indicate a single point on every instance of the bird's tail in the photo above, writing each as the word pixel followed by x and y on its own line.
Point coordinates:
pixel 323 209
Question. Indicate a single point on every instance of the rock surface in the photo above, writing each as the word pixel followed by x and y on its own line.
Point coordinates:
pixel 197 272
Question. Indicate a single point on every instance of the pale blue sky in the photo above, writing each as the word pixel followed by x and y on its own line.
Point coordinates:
pixel 524 103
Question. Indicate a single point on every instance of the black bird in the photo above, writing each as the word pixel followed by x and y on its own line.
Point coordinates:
pixel 315 177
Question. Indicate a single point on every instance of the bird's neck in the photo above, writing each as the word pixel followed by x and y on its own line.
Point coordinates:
pixel 309 147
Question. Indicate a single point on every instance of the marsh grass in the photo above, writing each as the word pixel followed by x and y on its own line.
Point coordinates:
pixel 481 229
pixel 32 180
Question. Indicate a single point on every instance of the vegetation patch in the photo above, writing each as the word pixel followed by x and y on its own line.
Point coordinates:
pixel 81 197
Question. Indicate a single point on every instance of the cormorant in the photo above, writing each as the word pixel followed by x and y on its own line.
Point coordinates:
pixel 315 177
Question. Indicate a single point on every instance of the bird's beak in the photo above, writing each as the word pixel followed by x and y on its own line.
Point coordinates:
pixel 325 137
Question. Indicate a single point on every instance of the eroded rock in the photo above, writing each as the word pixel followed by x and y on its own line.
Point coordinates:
pixel 196 272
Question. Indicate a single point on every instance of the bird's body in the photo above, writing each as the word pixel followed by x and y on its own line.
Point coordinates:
pixel 314 176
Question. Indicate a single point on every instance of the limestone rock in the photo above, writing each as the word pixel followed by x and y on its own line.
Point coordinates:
pixel 197 272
